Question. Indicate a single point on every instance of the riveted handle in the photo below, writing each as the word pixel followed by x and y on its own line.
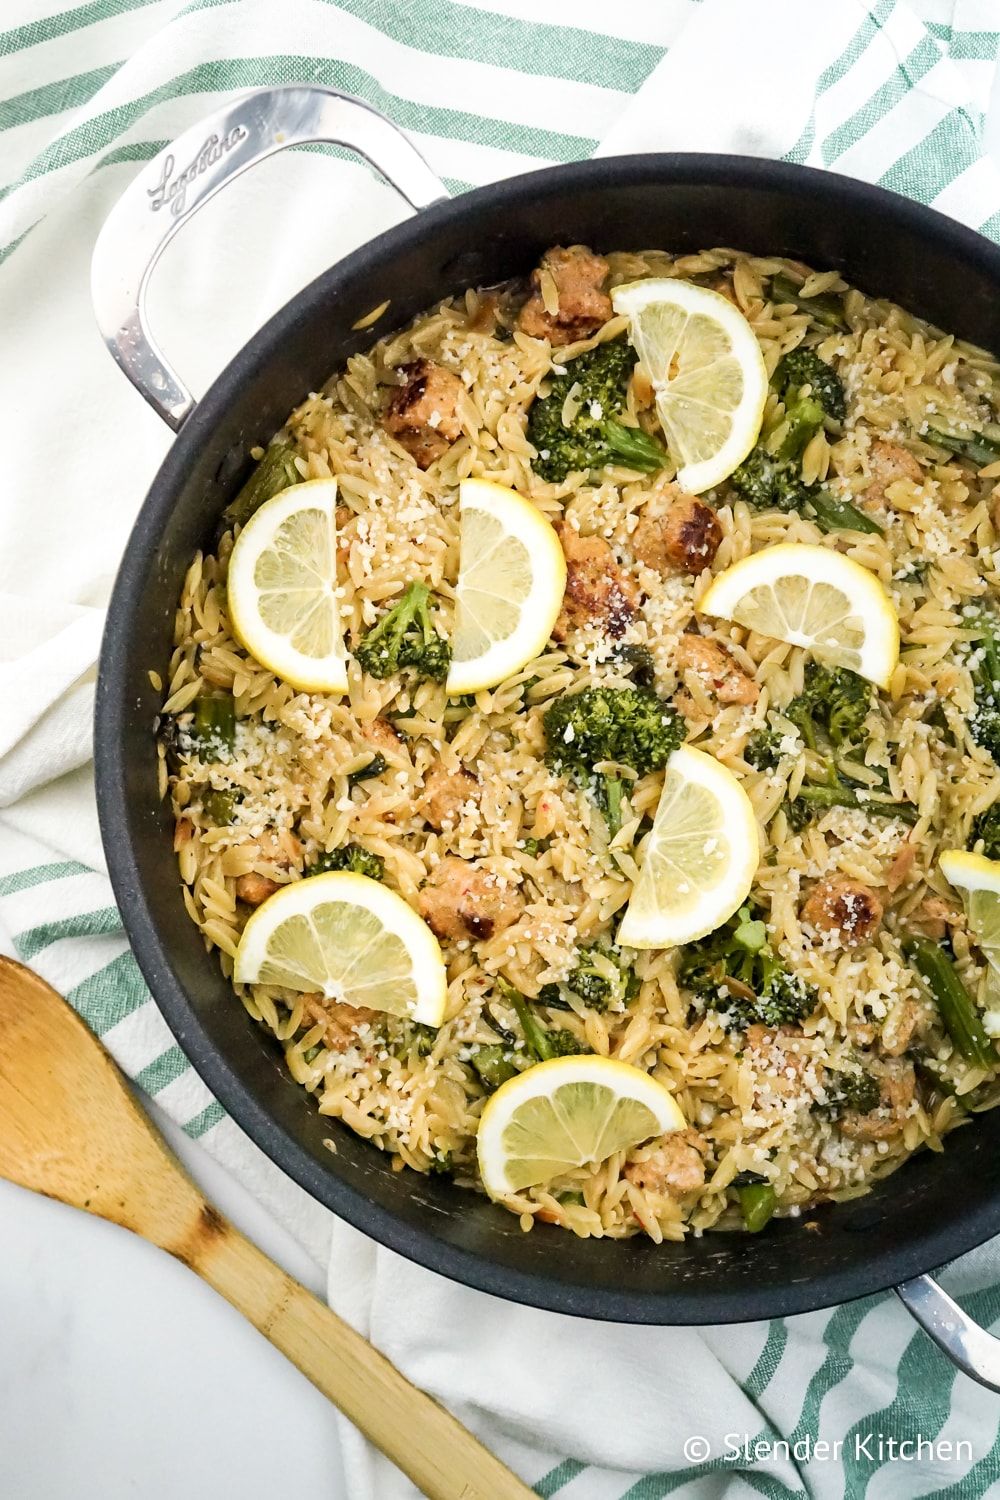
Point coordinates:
pixel 970 1348
pixel 186 174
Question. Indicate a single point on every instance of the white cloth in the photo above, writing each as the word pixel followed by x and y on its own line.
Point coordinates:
pixel 80 449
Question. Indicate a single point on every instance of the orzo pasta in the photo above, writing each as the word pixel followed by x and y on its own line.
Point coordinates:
pixel 522 869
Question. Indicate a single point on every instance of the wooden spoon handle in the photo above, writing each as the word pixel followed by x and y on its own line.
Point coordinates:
pixel 442 1458
pixel 70 1128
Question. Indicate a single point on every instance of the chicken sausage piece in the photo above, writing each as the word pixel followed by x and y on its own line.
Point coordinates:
pixel 935 917
pixel 422 412
pixel 846 907
pixel 899 1026
pixel 898 1085
pixel 783 1068
pixel 995 509
pixel 583 306
pixel 183 833
pixel 445 795
pixel 462 900
pixel 340 1020
pixel 282 850
pixel 255 889
pixel 381 735
pixel 676 530
pixel 676 1165
pixel 598 591
pixel 716 668
pixel 899 871
pixel 888 462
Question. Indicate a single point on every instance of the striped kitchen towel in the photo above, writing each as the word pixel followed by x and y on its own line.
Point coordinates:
pixel 897 93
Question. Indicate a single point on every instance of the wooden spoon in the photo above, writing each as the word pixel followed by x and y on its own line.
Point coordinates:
pixel 69 1128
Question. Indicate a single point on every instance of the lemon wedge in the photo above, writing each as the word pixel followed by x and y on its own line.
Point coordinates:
pixel 566 1113
pixel 700 857
pixel 511 580
pixel 977 879
pixel 707 373
pixel 347 938
pixel 282 588
pixel 814 597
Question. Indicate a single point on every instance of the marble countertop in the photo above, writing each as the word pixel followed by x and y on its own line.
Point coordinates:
pixel 123 1376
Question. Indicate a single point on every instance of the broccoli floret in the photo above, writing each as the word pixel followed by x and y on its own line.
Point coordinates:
pixel 803 367
pixel 735 972
pixel 769 482
pixel 984 726
pixel 986 829
pixel 773 481
pixel 720 968
pixel 598 381
pixel 984 720
pixel 352 857
pixel 540 1041
pixel 405 637
pixel 858 1091
pixel 629 725
pixel 415 1037
pixel 834 702
pixel 763 749
pixel 855 1089
pixel 783 997
pixel 638 663
pixel 830 715
pixel 563 1043
pixel 494 1064
pixel 601 978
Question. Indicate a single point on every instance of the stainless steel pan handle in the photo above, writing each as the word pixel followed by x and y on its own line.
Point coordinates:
pixel 969 1347
pixel 189 172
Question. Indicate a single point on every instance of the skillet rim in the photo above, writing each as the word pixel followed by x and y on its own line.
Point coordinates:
pixel 680 1306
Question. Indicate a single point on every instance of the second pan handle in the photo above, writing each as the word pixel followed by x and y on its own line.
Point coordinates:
pixel 190 171
pixel 970 1348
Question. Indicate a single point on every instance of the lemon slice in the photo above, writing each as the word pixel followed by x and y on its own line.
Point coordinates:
pixel 977 879
pixel 815 597
pixel 347 938
pixel 282 588
pixel 565 1113
pixel 700 857
pixel 707 372
pixel 511 580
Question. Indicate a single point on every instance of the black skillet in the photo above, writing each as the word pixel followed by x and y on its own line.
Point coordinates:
pixel 934 1209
